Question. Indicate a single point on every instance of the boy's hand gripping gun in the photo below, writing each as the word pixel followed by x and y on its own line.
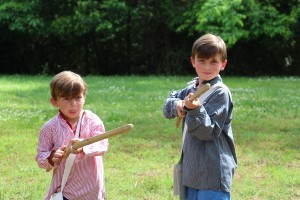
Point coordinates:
pixel 201 90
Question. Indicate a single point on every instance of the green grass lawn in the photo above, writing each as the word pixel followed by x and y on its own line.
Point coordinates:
pixel 139 164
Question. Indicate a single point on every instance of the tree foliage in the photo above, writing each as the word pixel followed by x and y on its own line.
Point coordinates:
pixel 146 37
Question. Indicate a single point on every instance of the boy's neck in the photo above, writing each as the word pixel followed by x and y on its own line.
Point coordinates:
pixel 71 123
pixel 203 82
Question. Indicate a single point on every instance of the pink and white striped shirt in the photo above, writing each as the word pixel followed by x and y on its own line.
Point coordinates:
pixel 86 178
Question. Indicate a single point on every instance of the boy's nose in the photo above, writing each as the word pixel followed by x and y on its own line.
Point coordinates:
pixel 205 65
pixel 72 101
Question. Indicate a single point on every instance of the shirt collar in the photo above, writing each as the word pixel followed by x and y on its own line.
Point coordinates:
pixel 213 81
pixel 67 122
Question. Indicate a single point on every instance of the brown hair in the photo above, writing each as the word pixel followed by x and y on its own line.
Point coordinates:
pixel 67 84
pixel 208 46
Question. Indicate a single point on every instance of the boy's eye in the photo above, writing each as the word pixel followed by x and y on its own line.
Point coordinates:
pixel 214 61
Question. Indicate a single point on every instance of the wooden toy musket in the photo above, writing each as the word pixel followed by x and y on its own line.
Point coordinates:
pixel 108 134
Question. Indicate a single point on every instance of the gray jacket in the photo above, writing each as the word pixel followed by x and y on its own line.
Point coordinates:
pixel 209 157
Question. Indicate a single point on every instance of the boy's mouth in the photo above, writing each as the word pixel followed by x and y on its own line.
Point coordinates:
pixel 72 112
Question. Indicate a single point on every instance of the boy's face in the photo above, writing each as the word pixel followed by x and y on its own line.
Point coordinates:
pixel 209 68
pixel 70 107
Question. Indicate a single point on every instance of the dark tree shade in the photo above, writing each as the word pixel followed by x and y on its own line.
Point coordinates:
pixel 111 37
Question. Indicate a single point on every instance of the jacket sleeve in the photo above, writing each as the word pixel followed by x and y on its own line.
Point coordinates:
pixel 169 108
pixel 207 121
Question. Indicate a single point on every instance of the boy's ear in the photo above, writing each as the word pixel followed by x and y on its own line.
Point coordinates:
pixel 192 61
pixel 223 65
pixel 53 102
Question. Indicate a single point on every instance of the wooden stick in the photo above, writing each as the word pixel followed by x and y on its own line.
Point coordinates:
pixel 201 90
pixel 108 134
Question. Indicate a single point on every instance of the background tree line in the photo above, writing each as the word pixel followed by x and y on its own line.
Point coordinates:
pixel 146 36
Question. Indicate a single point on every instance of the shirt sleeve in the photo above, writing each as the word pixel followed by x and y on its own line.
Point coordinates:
pixel 44 149
pixel 207 121
pixel 98 148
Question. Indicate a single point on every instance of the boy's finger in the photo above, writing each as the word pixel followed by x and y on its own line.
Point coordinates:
pixel 56 160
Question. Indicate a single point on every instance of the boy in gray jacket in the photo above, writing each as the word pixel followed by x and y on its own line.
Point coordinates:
pixel 209 157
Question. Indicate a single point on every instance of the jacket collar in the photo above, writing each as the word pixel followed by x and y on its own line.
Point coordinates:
pixel 195 81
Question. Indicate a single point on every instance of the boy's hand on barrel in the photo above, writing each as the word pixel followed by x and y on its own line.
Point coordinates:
pixel 179 108
pixel 73 150
pixel 191 104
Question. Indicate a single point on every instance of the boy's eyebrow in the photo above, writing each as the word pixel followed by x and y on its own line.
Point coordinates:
pixel 215 57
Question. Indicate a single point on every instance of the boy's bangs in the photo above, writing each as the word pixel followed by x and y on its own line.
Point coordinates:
pixel 71 90
pixel 206 51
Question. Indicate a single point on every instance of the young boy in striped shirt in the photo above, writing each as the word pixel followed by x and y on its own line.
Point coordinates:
pixel 86 178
